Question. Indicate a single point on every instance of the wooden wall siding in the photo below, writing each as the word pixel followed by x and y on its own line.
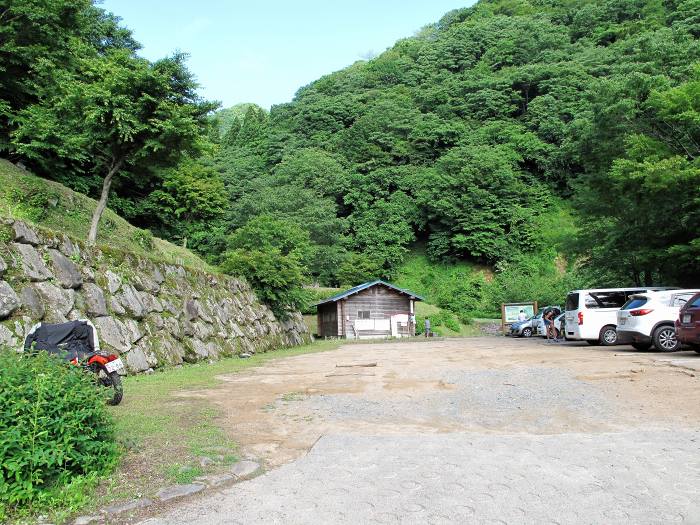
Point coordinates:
pixel 337 319
pixel 328 320
pixel 382 303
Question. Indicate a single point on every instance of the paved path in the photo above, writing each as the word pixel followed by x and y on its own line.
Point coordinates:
pixel 539 456
pixel 648 477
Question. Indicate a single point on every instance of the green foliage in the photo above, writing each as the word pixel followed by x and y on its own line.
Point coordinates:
pixel 315 295
pixel 39 40
pixel 119 110
pixel 470 291
pixel 189 204
pixel 70 213
pixel 659 176
pixel 55 434
pixel 465 136
pixel 543 277
pixel 31 200
pixel 144 239
pixel 269 254
pixel 360 268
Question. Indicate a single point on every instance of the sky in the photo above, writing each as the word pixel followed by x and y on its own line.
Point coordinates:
pixel 263 51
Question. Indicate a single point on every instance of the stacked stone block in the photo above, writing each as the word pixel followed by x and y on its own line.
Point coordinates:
pixel 152 313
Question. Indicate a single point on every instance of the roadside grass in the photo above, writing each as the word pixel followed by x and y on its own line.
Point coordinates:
pixel 473 329
pixel 168 438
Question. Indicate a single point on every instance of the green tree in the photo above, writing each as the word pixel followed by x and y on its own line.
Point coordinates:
pixel 269 254
pixel 659 176
pixel 190 200
pixel 39 40
pixel 121 110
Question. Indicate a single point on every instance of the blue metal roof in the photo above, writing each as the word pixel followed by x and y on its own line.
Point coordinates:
pixel 364 286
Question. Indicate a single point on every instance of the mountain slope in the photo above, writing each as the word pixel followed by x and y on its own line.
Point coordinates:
pixel 465 136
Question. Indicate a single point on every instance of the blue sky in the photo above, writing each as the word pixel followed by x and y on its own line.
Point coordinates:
pixel 262 51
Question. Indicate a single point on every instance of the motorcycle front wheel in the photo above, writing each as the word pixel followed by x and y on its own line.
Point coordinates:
pixel 111 380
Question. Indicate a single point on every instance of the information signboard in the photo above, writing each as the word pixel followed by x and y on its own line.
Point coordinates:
pixel 511 311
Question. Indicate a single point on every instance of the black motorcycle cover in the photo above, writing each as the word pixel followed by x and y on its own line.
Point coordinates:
pixel 71 340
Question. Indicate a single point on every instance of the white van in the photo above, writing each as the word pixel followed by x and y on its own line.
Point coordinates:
pixel 591 315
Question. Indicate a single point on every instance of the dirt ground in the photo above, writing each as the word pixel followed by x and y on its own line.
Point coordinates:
pixel 487 385
pixel 478 430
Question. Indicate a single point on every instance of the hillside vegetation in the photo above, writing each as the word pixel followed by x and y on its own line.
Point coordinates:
pixel 53 206
pixel 554 142
pixel 468 136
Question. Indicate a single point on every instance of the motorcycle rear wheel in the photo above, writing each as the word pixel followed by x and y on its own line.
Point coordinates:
pixel 111 380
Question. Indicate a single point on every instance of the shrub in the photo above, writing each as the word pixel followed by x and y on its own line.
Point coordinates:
pixel 270 254
pixel 438 322
pixel 277 279
pixel 144 238
pixel 316 295
pixel 56 436
pixel 33 200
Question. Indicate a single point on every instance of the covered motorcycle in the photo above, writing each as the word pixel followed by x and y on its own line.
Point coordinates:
pixel 77 342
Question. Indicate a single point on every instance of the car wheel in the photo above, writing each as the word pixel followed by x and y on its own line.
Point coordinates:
pixel 592 342
pixel 608 335
pixel 665 339
pixel 527 332
pixel 642 347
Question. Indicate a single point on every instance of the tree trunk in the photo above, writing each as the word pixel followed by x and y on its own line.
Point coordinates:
pixel 102 203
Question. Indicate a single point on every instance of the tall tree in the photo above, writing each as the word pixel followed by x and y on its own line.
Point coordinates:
pixel 41 39
pixel 119 111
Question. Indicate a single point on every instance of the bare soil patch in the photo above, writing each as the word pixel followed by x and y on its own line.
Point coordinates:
pixel 499 385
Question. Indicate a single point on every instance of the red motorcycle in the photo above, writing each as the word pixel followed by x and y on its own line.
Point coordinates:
pixel 77 342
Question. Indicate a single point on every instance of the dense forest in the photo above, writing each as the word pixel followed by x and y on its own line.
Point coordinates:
pixel 555 142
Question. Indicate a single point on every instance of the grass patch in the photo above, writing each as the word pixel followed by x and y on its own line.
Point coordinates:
pixel 183 474
pixel 443 329
pixel 51 205
pixel 166 436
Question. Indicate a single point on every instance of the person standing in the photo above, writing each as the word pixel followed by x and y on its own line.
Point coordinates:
pixel 548 324
pixel 522 316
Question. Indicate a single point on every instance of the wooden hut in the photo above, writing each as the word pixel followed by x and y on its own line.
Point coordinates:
pixel 371 310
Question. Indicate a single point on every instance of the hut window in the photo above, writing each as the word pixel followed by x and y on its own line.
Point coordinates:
pixel 363 314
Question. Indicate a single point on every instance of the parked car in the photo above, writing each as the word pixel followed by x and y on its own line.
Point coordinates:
pixel 522 328
pixel 688 323
pixel 591 315
pixel 648 319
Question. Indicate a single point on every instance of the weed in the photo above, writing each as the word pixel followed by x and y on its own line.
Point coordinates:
pixel 183 474
pixel 292 396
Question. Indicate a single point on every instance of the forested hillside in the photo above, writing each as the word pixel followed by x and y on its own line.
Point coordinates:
pixel 556 142
pixel 473 134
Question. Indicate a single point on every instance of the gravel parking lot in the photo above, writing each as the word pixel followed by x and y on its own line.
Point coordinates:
pixel 484 430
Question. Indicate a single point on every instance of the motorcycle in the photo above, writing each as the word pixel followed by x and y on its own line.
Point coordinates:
pixel 77 342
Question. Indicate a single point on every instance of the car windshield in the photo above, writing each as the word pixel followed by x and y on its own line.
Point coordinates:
pixel 695 303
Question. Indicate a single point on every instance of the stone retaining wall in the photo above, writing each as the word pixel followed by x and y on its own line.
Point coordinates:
pixel 153 314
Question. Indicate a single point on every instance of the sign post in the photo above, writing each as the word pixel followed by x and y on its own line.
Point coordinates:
pixel 510 312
